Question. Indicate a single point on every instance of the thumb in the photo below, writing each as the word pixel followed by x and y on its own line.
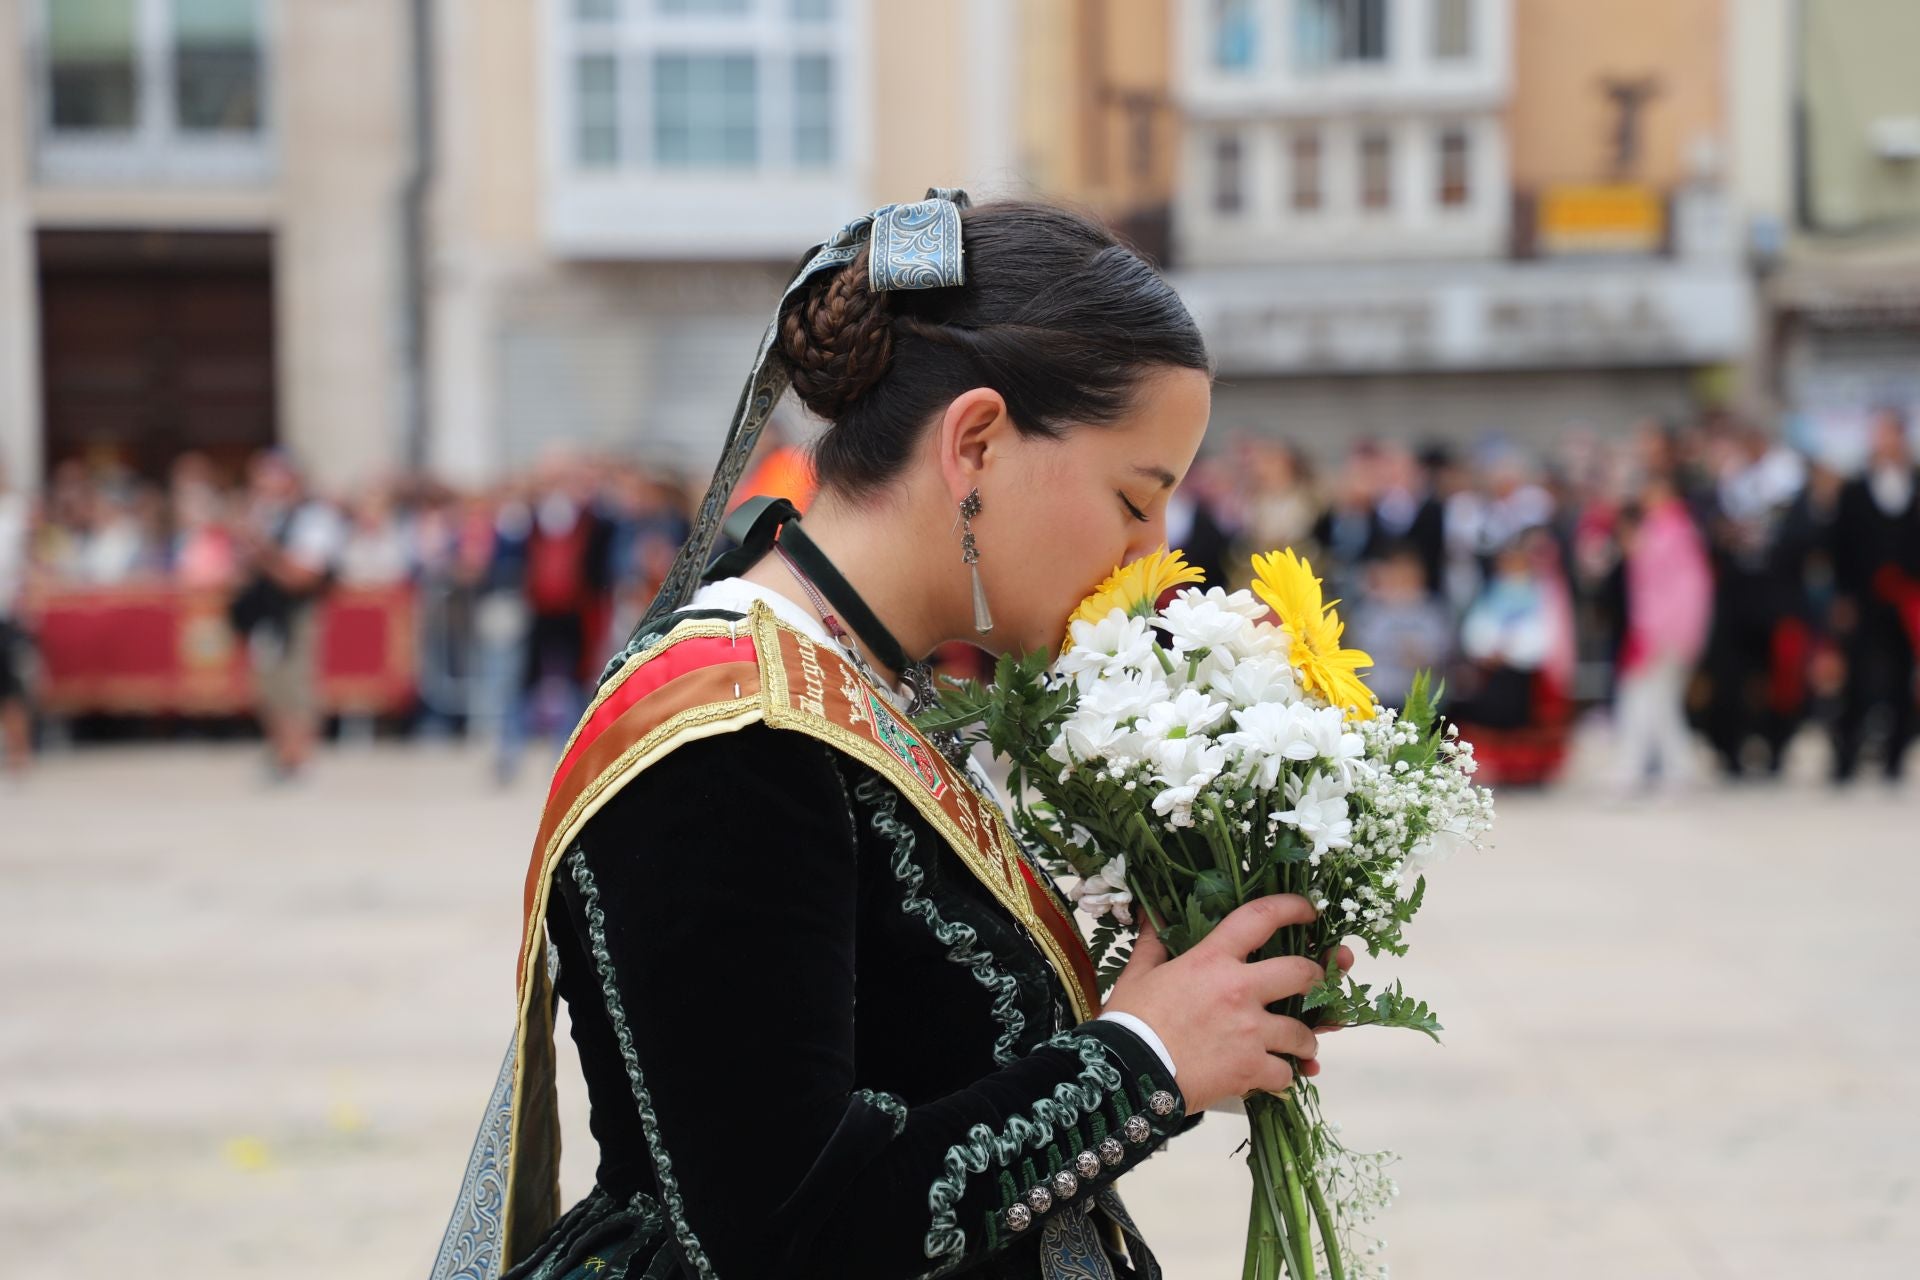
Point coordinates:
pixel 1148 951
pixel 1148 954
pixel 1248 926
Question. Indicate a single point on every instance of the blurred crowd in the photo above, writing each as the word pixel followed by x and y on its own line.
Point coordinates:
pixel 519 587
pixel 1701 579
pixel 1697 579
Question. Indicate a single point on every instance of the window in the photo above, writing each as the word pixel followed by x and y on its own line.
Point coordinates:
pixel 597 122
pixel 1227 177
pixel 705 85
pixel 216 65
pixel 1376 170
pixel 1233 35
pixel 92 54
pixel 813 110
pixel 1456 160
pixel 151 90
pixel 705 109
pixel 1452 30
pixel 1330 32
pixel 1303 172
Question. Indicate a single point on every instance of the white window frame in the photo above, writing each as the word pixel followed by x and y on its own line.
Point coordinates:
pixel 156 150
pixel 766 31
pixel 639 209
pixel 1469 160
pixel 1473 20
pixel 1224 140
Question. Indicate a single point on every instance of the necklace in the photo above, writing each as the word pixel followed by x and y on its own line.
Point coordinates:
pixel 844 638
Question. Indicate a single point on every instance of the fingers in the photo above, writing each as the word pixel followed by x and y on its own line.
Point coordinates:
pixel 1291 1036
pixel 1248 927
pixel 1283 976
pixel 1343 956
pixel 1275 1076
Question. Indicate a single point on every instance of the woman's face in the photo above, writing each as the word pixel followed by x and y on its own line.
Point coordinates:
pixel 1063 514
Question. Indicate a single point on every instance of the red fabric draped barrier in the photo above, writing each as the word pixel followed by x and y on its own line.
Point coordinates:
pixel 160 649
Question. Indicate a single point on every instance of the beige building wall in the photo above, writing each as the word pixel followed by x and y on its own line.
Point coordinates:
pixel 485 238
pixel 530 347
pixel 1092 76
pixel 920 130
pixel 344 143
pixel 19 346
pixel 338 112
pixel 1861 88
pixel 1561 121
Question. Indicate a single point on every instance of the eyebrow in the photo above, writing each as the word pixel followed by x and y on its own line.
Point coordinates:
pixel 1161 474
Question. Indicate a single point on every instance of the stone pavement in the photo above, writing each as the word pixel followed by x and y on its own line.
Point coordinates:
pixel 247 1031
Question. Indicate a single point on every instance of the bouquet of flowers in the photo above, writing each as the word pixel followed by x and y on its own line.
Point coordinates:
pixel 1180 761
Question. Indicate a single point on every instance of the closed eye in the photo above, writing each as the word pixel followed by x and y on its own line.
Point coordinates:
pixel 1132 510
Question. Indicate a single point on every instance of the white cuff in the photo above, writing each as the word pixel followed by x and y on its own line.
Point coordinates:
pixel 1145 1032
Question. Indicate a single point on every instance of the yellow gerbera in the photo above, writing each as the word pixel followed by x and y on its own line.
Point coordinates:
pixel 1287 584
pixel 1134 588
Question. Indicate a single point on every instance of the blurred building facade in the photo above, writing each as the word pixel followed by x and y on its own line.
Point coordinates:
pixel 449 233
pixel 199 220
pixel 456 233
pixel 1828 166
pixel 1445 218
pixel 1097 124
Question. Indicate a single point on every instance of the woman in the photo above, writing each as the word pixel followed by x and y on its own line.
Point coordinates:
pixel 831 1022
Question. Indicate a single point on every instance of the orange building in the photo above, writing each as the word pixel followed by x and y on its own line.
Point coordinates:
pixel 1097 124
pixel 1615 107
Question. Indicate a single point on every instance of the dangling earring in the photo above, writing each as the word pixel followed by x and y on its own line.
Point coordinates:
pixel 970 554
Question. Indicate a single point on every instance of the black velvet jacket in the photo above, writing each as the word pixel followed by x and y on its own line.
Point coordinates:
pixel 815 1045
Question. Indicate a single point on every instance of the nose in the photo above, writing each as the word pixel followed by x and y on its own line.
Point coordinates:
pixel 1149 537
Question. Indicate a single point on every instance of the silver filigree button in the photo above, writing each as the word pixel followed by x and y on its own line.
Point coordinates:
pixel 1111 1152
pixel 1065 1184
pixel 1040 1199
pixel 1019 1217
pixel 1137 1129
pixel 1161 1103
pixel 1088 1163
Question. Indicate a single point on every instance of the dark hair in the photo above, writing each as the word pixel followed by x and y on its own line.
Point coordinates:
pixel 1056 315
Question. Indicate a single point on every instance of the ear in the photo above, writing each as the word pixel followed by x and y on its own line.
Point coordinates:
pixel 974 435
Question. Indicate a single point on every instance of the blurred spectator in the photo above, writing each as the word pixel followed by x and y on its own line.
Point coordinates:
pixel 201 548
pixel 1669 603
pixel 1280 508
pixel 1408 512
pixel 15 740
pixel 376 550
pixel 1345 532
pixel 1192 528
pixel 290 548
pixel 565 553
pixel 649 523
pixel 780 468
pixel 1876 565
pixel 1400 624
pixel 1505 639
pixel 1752 486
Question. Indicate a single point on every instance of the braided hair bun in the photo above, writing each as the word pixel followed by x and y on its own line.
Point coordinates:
pixel 1056 315
pixel 837 337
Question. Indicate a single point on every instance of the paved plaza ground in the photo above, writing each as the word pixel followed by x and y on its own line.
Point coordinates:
pixel 247 1031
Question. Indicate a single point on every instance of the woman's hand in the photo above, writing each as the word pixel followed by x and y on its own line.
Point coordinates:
pixel 1209 1006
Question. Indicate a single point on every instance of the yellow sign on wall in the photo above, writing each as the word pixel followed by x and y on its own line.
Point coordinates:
pixel 1605 219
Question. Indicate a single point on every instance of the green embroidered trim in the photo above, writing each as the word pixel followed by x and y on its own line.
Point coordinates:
pixel 1071 1099
pixel 961 942
pixel 617 1015
pixel 888 1105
